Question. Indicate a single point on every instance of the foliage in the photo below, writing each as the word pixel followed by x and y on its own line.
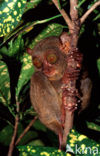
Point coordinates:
pixel 4 84
pixel 10 14
pixel 98 64
pixel 25 73
pixel 81 144
pixel 85 146
pixel 53 29
pixel 23 24
pixel 47 151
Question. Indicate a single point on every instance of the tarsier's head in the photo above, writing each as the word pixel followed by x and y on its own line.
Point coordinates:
pixel 47 56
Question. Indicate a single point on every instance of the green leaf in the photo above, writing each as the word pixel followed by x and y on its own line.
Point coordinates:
pixel 30 111
pixel 93 126
pixel 0 56
pixel 98 27
pixel 80 3
pixel 93 2
pixel 59 4
pixel 4 50
pixel 80 144
pixel 36 142
pixel 39 151
pixel 20 129
pixel 29 25
pixel 98 64
pixel 30 135
pixel 5 94
pixel 14 49
pixel 25 73
pixel 82 30
pixel 39 126
pixel 32 4
pixel 97 17
pixel 53 29
pixel 10 14
pixel 6 135
pixel 25 28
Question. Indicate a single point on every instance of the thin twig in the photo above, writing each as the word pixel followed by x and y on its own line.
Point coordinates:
pixel 26 130
pixel 29 27
pixel 94 6
pixel 12 144
pixel 64 14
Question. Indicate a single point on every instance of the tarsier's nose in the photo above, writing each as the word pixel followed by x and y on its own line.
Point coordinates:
pixel 46 66
pixel 48 69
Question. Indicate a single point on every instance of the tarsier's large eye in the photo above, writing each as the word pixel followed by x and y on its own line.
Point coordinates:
pixel 52 58
pixel 37 63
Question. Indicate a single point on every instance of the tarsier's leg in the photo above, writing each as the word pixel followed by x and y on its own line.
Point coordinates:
pixel 63 114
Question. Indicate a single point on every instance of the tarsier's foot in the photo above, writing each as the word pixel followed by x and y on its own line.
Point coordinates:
pixel 69 106
pixel 60 139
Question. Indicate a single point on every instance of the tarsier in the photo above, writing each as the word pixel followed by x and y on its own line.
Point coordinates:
pixel 46 83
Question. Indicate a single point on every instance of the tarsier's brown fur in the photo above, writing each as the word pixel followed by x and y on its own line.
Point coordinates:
pixel 46 84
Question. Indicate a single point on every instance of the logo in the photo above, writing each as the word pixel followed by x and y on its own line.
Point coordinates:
pixel 82 149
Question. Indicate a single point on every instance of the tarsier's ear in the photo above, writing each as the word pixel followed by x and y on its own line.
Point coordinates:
pixel 29 51
pixel 65 40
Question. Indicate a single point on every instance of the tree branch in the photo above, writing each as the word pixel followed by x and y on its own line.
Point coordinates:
pixel 75 22
pixel 94 6
pixel 64 14
pixel 73 10
pixel 26 130
pixel 12 144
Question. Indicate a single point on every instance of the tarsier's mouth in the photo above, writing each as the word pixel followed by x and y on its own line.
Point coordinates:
pixel 50 73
